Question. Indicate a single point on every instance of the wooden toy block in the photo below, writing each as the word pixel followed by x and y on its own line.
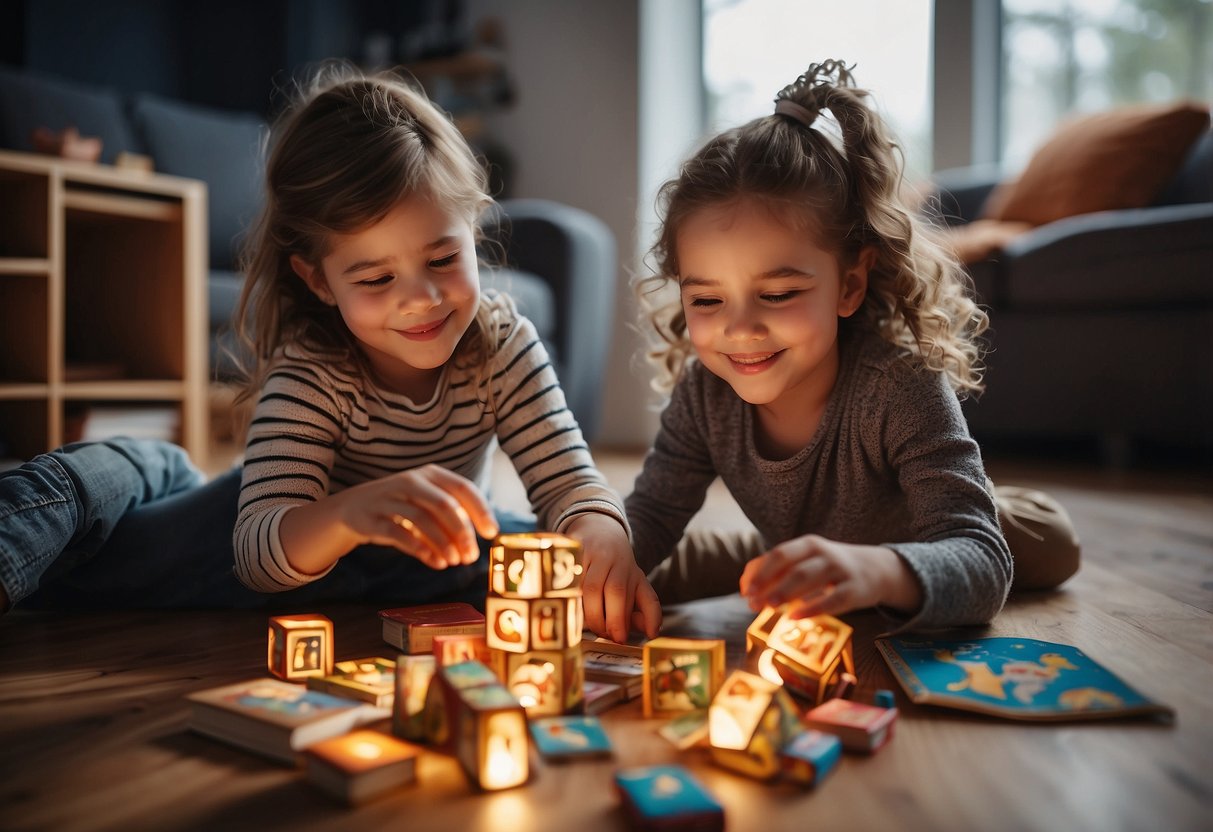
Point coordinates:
pixel 667 797
pixel 809 756
pixel 367 680
pixel 413 676
pixel 536 565
pixel 488 729
pixel 412 629
pixel 441 699
pixel 749 722
pixel 300 646
pixel 519 625
pixel 360 766
pixel 454 649
pixel 681 674
pixel 546 682
pixel 812 656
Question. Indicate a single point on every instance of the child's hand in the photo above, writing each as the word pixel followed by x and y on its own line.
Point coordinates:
pixel 825 577
pixel 615 593
pixel 430 513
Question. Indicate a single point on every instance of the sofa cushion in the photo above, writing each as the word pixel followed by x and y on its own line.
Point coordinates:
pixel 533 297
pixel 29 100
pixel 1116 159
pixel 221 148
pixel 982 238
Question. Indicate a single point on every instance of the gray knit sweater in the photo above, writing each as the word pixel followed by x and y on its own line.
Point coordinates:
pixel 891 463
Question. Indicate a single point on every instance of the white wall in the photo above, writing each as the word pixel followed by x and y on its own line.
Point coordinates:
pixel 573 133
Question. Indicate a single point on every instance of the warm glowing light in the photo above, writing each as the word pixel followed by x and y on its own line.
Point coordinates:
pixel 505 752
pixel 724 729
pixel 767 669
pixel 366 750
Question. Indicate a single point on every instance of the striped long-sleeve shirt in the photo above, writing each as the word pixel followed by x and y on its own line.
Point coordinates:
pixel 321 427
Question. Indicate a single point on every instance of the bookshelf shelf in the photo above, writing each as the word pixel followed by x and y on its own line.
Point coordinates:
pixel 102 301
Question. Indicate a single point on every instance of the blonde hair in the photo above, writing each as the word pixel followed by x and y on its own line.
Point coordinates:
pixel 918 297
pixel 349 149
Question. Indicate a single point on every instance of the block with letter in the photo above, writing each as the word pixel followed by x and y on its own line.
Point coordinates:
pixel 749 722
pixel 860 727
pixel 472 713
pixel 442 700
pixel 361 765
pixel 412 629
pixel 300 646
pixel 535 565
pixel 413 675
pixel 454 649
pixel 367 680
pixel 812 656
pixel 681 674
pixel 516 625
pixel 668 797
pixel 546 682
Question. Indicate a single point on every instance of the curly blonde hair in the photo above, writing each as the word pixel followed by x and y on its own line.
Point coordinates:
pixel 919 296
pixel 339 159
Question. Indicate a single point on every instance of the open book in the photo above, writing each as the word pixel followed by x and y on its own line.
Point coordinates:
pixel 1017 678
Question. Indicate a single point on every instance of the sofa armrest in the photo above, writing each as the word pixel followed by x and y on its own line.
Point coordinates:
pixel 1156 256
pixel 574 253
pixel 961 193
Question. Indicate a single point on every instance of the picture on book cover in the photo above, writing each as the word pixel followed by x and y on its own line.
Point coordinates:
pixel 1019 678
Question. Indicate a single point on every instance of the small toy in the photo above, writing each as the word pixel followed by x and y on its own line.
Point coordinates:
pixel 546 682
pixel 562 737
pixel 885 699
pixel 809 756
pixel 749 721
pixel 812 656
pixel 360 766
pixel 681 674
pixel 300 646
pixel 668 797
pixel 860 727
pixel 413 675
pixel 471 712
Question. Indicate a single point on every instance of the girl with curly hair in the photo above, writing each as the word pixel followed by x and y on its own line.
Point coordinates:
pixel 817 348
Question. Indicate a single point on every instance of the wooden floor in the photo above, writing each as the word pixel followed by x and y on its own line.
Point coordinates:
pixel 92 716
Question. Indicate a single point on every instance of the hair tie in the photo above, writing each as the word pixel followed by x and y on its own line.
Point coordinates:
pixel 796 112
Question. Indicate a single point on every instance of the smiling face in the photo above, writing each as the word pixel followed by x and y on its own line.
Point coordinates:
pixel 762 302
pixel 407 287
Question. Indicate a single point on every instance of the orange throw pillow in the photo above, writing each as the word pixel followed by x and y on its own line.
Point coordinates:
pixel 1106 161
pixel 980 239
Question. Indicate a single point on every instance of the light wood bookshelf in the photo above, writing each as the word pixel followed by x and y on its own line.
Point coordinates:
pixel 102 299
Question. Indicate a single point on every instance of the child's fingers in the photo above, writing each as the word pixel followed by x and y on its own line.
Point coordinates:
pixel 404 533
pixel 442 519
pixel 591 598
pixel 618 596
pixel 476 509
pixel 804 579
pixel 832 599
pixel 648 607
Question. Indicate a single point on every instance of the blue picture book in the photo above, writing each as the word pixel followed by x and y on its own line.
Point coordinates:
pixel 1016 678
pixel 559 737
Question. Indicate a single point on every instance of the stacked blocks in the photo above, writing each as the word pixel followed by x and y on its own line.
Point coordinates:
pixel 534 619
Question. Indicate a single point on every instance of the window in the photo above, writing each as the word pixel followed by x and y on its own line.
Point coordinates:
pixel 752 48
pixel 1075 56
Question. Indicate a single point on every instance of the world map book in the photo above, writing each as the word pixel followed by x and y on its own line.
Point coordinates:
pixel 1016 678
pixel 276 718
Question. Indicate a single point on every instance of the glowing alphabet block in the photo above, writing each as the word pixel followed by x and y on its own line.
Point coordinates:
pixel 546 682
pixel 442 697
pixel 749 723
pixel 681 674
pixel 470 711
pixel 535 566
pixel 463 647
pixel 812 656
pixel 413 675
pixel 300 646
pixel 518 625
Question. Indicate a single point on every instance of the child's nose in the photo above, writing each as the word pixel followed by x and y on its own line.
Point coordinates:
pixel 743 324
pixel 417 294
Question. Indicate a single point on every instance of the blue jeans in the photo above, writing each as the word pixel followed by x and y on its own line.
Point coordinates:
pixel 130 523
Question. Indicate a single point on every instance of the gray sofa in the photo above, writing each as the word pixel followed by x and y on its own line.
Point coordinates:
pixel 560 262
pixel 1101 324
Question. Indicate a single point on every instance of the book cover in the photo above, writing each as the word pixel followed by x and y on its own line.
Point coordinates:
pixel 614 663
pixel 412 629
pixel 360 766
pixel 668 797
pixel 1016 678
pixel 561 737
pixel 367 680
pixel 275 718
pixel 860 727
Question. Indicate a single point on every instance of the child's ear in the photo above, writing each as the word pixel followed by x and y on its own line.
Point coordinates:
pixel 855 282
pixel 314 279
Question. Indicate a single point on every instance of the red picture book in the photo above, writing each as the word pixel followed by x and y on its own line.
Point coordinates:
pixel 412 629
